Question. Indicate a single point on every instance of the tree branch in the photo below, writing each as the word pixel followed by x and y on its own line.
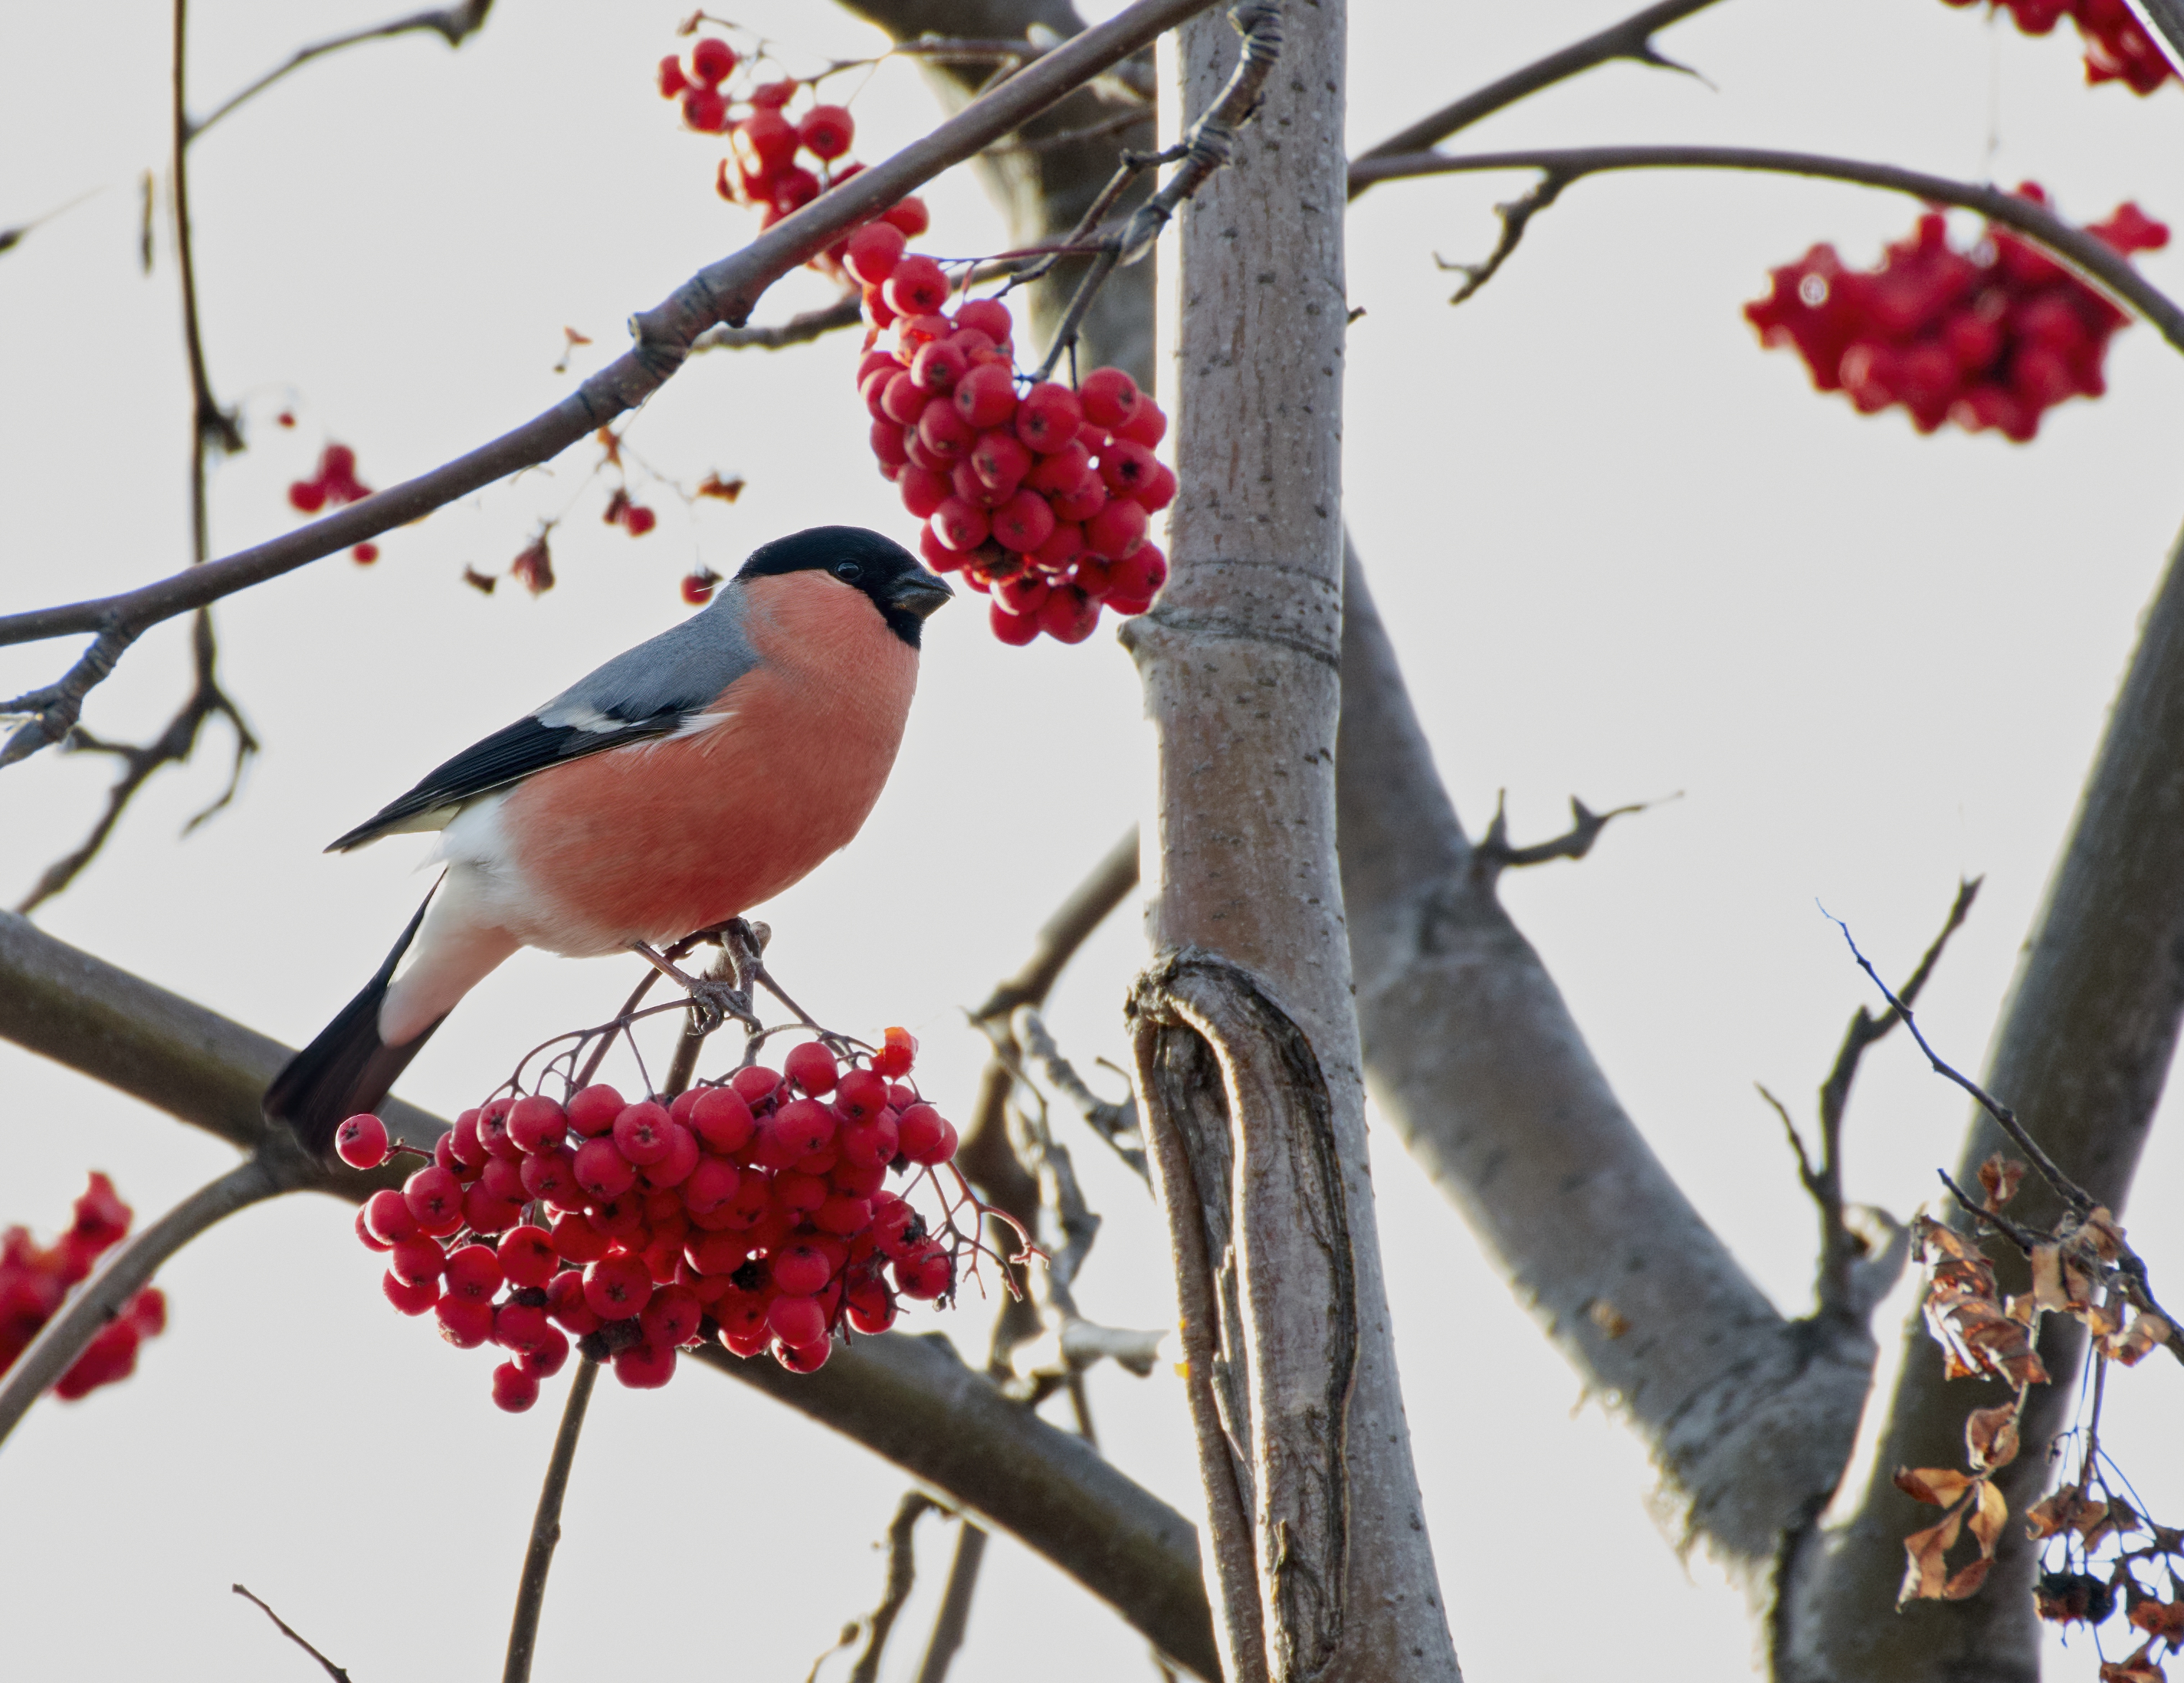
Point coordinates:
pixel 334 1671
pixel 546 1526
pixel 1631 39
pixel 954 1618
pixel 452 23
pixel 901 1579
pixel 724 292
pixel 2092 260
pixel 909 1400
pixel 2084 1044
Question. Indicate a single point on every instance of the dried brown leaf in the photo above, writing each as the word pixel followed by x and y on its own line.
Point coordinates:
pixel 1987 1518
pixel 2070 1509
pixel 1991 1436
pixel 1999 1178
pixel 2103 1235
pixel 1967 1581
pixel 2147 1333
pixel 483 582
pixel 1925 1574
pixel 2138 1668
pixel 2048 1276
pixel 727 490
pixel 2162 1621
pixel 1941 1486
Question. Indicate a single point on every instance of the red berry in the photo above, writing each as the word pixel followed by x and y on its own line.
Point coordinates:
pixel 1000 460
pixel 544 1359
pixel 1069 615
pixel 474 1273
pixel 908 215
pixel 520 1326
pixel 990 316
pixel 873 252
pixel 922 491
pixel 924 1136
pixel 1110 397
pixel 593 1110
pixel 414 1261
pixel 513 1389
pixel 675 1167
pixel 617 1286
pixel 944 432
pixel 711 60
pixel 773 95
pixel 638 520
pixel 410 1300
pixel 492 1129
pixel 566 1303
pixel 1049 417
pixel 537 1122
pixel 1126 468
pixel 863 1095
pixel 307 496
pixel 1118 529
pixel 754 1082
pixel 527 1257
pixel 1063 472
pixel 1024 594
pixel 926 1271
pixel 698 587
pixel 1147 425
pixel 705 111
pixel 365 555
pixel 464 1322
pixel 797 1320
pixel 602 1170
pixel 435 1198
pixel 640 1132
pixel 936 369
pixel 871 1142
pixel 671 1317
pixel 463 1141
pixel 986 397
pixel 801 1127
pixel 897 1052
pixel 871 1306
pixel 721 1120
pixel 826 132
pixel 842 1216
pixel 959 525
pixel 644 1367
pixel 369 1240
pixel 482 1212
pixel 915 286
pixel 619 1219
pixel 1022 523
pixel 764 143
pixel 361 1142
pixel 812 1067
pixel 389 1218
pixel 577 1241
pixel 552 1176
pixel 673 81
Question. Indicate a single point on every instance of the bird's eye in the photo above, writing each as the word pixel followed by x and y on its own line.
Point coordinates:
pixel 848 571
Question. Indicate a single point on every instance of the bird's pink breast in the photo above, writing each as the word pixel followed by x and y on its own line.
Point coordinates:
pixel 655 840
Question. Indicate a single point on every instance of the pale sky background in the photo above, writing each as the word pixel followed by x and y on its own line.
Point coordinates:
pixel 1623 552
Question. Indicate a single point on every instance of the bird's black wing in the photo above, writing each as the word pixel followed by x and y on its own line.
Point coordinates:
pixel 507 756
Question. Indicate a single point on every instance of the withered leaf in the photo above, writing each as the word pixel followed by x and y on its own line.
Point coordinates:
pixel 2073 1598
pixel 1999 1178
pixel 1987 1516
pixel 1938 1486
pixel 727 490
pixel 2070 1509
pixel 1925 1574
pixel 1991 1436
pixel 483 582
pixel 2103 1235
pixel 2048 1276
pixel 1967 1581
pixel 2137 1668
pixel 2162 1621
pixel 2146 1333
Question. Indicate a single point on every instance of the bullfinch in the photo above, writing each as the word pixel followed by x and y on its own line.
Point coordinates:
pixel 677 786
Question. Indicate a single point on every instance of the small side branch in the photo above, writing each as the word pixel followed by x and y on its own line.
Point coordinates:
pixel 954 1619
pixel 845 312
pixel 1492 854
pixel 292 1635
pixel 1516 214
pixel 901 1577
pixel 2092 260
pixel 452 23
pixel 1632 39
pixel 546 1526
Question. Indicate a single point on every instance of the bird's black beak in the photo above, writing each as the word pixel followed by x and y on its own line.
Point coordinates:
pixel 920 593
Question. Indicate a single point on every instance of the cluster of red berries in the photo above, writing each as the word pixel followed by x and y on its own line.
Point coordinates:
pixel 2117 48
pixel 753 1213
pixel 767 141
pixel 1993 337
pixel 1042 500
pixel 334 484
pixel 35 1280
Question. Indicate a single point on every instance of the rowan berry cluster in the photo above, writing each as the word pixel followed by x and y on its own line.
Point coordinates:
pixel 1042 498
pixel 2117 48
pixel 1992 337
pixel 753 1213
pixel 766 139
pixel 36 1280
pixel 334 484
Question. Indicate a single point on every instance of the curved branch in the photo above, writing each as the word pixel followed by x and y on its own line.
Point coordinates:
pixel 125 1273
pixel 1631 39
pixel 452 23
pixel 910 1399
pixel 2093 260
pixel 722 292
pixel 546 1526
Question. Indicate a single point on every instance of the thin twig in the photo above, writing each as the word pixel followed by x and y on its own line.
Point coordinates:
pixel 1120 123
pixel 12 237
pixel 129 1267
pixel 1118 1125
pixel 1071 925
pixel 2093 261
pixel 846 311
pixel 454 23
pixel 292 1634
pixel 901 1576
pixel 724 292
pixel 1492 854
pixel 1516 215
pixel 954 1618
pixel 546 1526
pixel 1631 39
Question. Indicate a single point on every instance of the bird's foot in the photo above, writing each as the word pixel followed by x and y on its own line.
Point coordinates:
pixel 714 999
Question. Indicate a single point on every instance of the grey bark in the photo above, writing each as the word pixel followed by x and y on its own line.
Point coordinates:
pixel 1246 1038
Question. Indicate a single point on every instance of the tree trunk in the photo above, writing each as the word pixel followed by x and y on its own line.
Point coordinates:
pixel 1246 1039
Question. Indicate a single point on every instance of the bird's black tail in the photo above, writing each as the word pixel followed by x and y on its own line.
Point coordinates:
pixel 349 1068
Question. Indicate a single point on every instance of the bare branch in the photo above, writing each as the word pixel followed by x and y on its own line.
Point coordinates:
pixel 1631 39
pixel 2092 260
pixel 846 311
pixel 12 237
pixel 724 292
pixel 1117 1124
pixel 289 1632
pixel 901 1578
pixel 1516 215
pixel 546 1526
pixel 954 1618
pixel 452 23
pixel 1492 854
pixel 1068 929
